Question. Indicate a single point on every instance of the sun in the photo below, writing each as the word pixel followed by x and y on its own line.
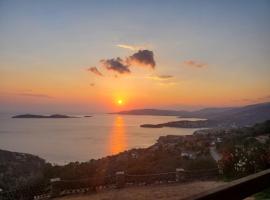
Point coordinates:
pixel 119 101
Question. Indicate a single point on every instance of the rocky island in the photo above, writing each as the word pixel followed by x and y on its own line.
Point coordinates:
pixel 54 116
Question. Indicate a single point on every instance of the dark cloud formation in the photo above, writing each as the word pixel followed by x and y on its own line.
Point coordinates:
pixel 95 71
pixel 116 64
pixel 142 58
pixel 122 66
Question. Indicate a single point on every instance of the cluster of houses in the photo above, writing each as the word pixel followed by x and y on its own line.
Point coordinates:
pixel 188 146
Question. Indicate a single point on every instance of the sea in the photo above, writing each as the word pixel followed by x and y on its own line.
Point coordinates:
pixel 60 141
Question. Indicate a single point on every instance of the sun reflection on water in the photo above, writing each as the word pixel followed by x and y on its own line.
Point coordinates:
pixel 118 141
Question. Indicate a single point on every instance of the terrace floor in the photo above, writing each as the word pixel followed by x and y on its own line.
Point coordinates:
pixel 151 192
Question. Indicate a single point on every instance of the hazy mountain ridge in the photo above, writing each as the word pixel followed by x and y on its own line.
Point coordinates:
pixel 226 116
pixel 152 111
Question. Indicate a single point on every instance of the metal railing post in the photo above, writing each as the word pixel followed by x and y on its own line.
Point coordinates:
pixel 179 175
pixel 120 179
pixel 54 188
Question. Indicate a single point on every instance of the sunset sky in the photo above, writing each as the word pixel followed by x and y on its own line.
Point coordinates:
pixel 100 56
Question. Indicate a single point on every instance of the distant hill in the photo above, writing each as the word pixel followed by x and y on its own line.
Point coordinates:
pixel 226 116
pixel 152 112
pixel 245 116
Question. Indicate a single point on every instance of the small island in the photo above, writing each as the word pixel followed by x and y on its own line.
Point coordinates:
pixel 54 116
pixel 183 124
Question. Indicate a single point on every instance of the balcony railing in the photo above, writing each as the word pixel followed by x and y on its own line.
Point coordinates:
pixel 235 190
pixel 238 189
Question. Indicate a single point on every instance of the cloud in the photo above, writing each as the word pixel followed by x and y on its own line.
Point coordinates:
pixel 142 58
pixel 247 99
pixel 193 63
pixel 264 98
pixel 258 99
pixel 164 80
pixel 92 84
pixel 115 64
pixel 95 71
pixel 130 47
pixel 122 66
pixel 164 77
pixel 35 95
pixel 167 83
pixel 161 77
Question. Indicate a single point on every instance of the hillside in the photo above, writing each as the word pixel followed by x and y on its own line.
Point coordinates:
pixel 18 169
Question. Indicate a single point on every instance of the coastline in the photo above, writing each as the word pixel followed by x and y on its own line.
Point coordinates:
pixel 172 159
pixel 67 140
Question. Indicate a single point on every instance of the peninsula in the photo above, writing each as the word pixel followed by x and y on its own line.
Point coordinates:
pixel 183 124
pixel 221 117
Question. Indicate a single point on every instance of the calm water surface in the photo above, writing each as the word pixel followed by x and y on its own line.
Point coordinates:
pixel 80 139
